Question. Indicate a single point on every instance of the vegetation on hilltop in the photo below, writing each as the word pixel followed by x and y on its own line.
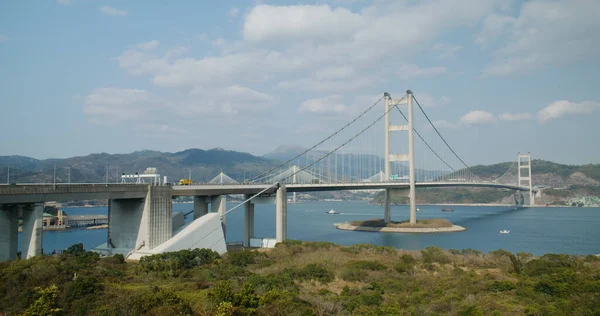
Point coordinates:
pixel 299 278
pixel 421 223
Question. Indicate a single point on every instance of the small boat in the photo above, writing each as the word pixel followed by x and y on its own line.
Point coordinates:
pixel 504 231
pixel 332 212
pixel 418 210
pixel 444 209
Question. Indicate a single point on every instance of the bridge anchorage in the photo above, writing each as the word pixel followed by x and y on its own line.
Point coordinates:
pixel 364 154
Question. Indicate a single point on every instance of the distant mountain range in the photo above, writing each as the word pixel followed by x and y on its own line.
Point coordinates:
pixel 203 165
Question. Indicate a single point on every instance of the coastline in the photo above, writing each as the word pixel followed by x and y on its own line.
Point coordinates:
pixel 490 204
pixel 347 226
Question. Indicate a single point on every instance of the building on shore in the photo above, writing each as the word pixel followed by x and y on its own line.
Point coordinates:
pixel 60 220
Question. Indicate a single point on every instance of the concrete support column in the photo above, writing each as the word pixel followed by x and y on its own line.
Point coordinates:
pixel 31 238
pixel 9 230
pixel 160 221
pixel 128 223
pixel 218 204
pixel 248 221
pixel 281 214
pixel 387 216
pixel 200 206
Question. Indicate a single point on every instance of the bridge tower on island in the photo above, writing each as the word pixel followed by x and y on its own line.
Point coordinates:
pixel 524 178
pixel 406 157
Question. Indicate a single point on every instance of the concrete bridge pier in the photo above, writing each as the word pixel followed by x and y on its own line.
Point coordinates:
pixel 218 204
pixel 140 223
pixel 9 228
pixel 31 237
pixel 387 216
pixel 200 206
pixel 248 220
pixel 281 214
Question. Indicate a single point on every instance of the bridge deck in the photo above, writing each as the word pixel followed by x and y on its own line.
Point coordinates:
pixel 37 193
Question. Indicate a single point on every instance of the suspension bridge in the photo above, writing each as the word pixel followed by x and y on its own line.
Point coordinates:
pixel 392 149
pixel 370 153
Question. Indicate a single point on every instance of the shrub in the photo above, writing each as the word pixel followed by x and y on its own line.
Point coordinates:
pixel 406 264
pixel 242 258
pixel 172 263
pixel 81 287
pixel 221 292
pixel 273 282
pixel 247 298
pixel 354 275
pixel 501 286
pixel 312 271
pixel 45 304
pixel 353 298
pixel 157 300
pixel 225 309
pixel 549 264
pixel 365 265
pixel 470 251
pixel 74 249
pixel 434 254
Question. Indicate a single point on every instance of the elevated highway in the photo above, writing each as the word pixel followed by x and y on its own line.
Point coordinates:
pixel 39 193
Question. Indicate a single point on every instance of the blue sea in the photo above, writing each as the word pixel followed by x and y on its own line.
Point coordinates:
pixel 535 230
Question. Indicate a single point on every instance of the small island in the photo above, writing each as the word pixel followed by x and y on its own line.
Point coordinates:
pixel 434 225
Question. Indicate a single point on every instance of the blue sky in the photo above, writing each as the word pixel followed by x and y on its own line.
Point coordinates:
pixel 498 77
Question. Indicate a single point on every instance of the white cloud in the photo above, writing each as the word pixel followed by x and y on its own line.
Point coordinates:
pixel 442 124
pixel 428 101
pixel 113 11
pixel 65 2
pixel 477 117
pixel 409 71
pixel 218 101
pixel 3 38
pixel 446 50
pixel 266 22
pixel 544 33
pixel 119 104
pixel 515 116
pixel 148 45
pixel 233 12
pixel 561 108
pixel 328 105
pixel 325 48
pixel 159 128
pixel 494 26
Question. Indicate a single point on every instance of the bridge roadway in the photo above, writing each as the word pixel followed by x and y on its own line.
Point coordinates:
pixel 212 189
pixel 37 193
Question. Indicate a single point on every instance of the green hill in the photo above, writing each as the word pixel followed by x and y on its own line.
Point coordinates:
pixel 559 184
pixel 203 164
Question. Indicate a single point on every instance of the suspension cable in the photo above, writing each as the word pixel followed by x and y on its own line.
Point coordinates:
pixel 433 151
pixel 321 142
pixel 509 168
pixel 344 144
pixel 440 135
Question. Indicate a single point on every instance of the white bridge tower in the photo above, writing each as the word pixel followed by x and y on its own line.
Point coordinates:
pixel 410 157
pixel 524 177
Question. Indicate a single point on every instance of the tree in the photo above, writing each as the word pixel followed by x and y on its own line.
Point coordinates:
pixel 45 304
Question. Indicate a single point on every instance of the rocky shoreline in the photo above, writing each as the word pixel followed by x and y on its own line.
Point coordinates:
pixel 348 226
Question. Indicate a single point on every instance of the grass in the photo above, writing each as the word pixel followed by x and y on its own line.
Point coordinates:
pixel 422 223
